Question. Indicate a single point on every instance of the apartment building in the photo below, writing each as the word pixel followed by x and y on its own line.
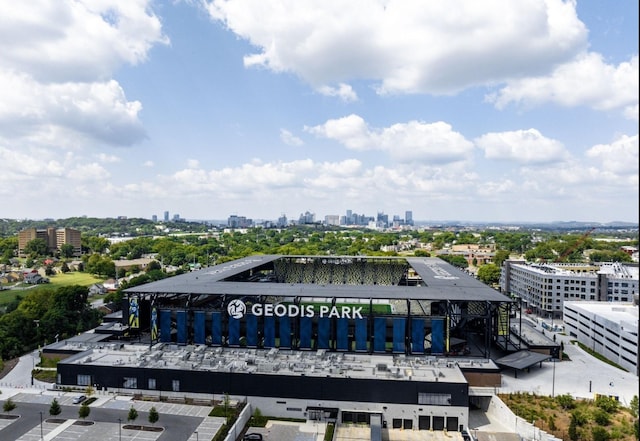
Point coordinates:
pixel 610 329
pixel 544 287
pixel 53 237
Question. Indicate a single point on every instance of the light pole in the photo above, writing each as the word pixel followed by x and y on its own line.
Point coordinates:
pixel 41 434
pixel 196 432
pixel 120 429
pixel 553 381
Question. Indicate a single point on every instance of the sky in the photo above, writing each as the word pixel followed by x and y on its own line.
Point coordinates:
pixel 491 111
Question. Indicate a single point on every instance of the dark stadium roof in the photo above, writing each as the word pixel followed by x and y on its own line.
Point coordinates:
pixel 442 281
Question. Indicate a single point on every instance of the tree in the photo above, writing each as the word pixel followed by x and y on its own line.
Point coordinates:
pixel 67 250
pixel 500 256
pixel 36 247
pixel 8 405
pixel 633 404
pixel 84 410
pixel 55 408
pixel 132 415
pixel 153 415
pixel 489 273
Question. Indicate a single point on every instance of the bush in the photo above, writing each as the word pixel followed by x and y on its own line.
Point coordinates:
pixel 607 404
pixel 257 419
pixel 599 434
pixel 602 418
pixel 566 401
pixel 8 405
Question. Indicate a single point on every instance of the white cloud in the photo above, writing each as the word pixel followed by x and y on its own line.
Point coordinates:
pixel 620 157
pixel 344 91
pixel 437 47
pixel 404 142
pixel 148 164
pixel 289 138
pixel 193 163
pixel 56 67
pixel 522 146
pixel 587 80
pixel 79 41
pixel 107 159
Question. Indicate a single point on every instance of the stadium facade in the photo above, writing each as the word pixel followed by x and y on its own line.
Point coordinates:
pixel 311 337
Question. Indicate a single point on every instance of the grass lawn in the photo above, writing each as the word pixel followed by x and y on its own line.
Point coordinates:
pixel 71 278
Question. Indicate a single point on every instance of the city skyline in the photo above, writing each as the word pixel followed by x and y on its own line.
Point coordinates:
pixel 505 112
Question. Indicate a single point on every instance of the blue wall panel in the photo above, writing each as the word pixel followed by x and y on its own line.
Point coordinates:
pixel 234 331
pixel 379 334
pixel 269 332
pixel 361 335
pixel 165 326
pixel 417 336
pixel 198 327
pixel 342 334
pixel 252 330
pixel 399 327
pixel 285 331
pixel 437 336
pixel 305 333
pixel 216 328
pixel 324 331
pixel 181 325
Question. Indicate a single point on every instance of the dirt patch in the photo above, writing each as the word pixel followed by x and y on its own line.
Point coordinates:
pixel 83 423
pixel 8 366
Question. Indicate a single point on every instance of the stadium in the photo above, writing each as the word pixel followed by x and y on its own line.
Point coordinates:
pixel 354 339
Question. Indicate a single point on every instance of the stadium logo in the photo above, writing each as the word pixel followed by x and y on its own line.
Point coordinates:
pixel 236 309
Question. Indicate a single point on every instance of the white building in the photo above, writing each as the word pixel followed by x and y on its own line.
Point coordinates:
pixel 544 287
pixel 610 329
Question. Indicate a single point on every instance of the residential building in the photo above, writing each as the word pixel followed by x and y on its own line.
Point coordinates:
pixel 610 329
pixel 54 239
pixel 543 288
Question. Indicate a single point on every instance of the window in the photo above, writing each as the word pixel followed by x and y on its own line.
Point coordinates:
pixel 84 380
pixel 130 383
pixel 435 399
pixel 175 385
pixel 152 383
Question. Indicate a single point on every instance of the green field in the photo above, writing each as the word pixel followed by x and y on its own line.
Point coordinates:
pixel 71 278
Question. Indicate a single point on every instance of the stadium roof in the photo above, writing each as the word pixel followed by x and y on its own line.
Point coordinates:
pixel 440 281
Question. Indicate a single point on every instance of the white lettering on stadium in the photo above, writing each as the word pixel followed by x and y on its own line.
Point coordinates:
pixel 282 310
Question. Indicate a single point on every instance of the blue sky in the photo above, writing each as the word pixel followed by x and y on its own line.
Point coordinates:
pixel 456 110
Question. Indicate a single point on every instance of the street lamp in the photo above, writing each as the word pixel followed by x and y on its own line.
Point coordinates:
pixel 196 432
pixel 41 434
pixel 120 429
pixel 553 381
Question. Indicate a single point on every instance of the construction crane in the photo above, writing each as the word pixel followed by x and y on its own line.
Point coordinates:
pixel 573 247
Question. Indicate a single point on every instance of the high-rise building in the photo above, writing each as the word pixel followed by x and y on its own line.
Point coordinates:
pixel 154 218
pixel 52 237
pixel 408 217
pixel 332 219
pixel 166 216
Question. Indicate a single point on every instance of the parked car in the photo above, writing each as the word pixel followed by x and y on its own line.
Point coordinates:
pixel 79 399
pixel 252 437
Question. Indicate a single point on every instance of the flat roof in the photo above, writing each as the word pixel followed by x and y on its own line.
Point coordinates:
pixel 272 361
pixel 440 281
pixel 522 359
